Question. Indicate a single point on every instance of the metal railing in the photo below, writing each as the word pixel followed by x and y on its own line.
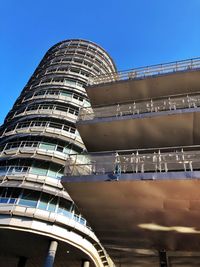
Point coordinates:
pixel 147 71
pixel 15 202
pixel 34 144
pixel 45 108
pixel 24 170
pixel 139 107
pixel 57 94
pixel 43 125
pixel 38 147
pixel 177 159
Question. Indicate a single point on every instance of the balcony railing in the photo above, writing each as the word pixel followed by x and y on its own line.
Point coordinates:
pixel 37 147
pixel 137 161
pixel 148 71
pixel 25 171
pixel 139 107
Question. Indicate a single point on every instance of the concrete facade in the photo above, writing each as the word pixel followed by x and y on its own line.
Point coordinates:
pixel 37 136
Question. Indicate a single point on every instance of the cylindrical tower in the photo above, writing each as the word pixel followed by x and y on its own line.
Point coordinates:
pixel 36 138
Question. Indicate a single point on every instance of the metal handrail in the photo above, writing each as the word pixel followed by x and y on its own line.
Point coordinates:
pixel 147 71
pixel 159 160
pixel 44 125
pixel 77 218
pixel 25 170
pixel 33 144
pixel 139 107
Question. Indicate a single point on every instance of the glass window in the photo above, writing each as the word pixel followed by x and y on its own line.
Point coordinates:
pixel 65 204
pixel 3 170
pixel 7 191
pixel 16 192
pixel 47 146
pixel 4 200
pixel 66 94
pixel 52 204
pixel 12 200
pixel 38 171
pixel 54 174
pixel 43 201
pixel 29 198
pixel 65 207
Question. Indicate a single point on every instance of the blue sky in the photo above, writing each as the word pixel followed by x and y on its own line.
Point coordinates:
pixel 134 32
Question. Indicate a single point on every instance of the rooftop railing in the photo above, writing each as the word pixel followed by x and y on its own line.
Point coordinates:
pixel 136 161
pixel 147 71
pixel 139 107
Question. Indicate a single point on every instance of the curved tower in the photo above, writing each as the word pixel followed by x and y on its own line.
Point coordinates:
pixel 36 138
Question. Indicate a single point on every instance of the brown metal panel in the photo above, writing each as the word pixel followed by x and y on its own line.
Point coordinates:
pixel 178 129
pixel 151 87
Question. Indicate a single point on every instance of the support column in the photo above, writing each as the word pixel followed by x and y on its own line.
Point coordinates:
pixel 50 258
pixel 22 262
pixel 85 263
pixel 163 258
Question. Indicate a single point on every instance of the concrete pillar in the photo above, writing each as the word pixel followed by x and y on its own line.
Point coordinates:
pixel 22 262
pixel 85 263
pixel 49 261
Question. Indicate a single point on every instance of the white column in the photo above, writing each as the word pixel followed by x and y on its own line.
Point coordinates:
pixel 85 264
pixel 50 258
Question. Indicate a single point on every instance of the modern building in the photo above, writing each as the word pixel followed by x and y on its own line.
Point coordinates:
pixel 38 218
pixel 140 184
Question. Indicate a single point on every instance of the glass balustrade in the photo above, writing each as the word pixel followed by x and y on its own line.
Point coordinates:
pixel 24 170
pixel 47 108
pixel 44 125
pixel 36 145
pixel 40 200
pixel 148 71
pixel 179 159
pixel 140 107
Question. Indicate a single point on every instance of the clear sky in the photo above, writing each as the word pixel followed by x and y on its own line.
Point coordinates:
pixel 134 32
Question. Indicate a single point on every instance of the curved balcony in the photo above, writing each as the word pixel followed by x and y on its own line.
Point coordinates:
pixel 50 129
pixel 31 173
pixel 36 149
pixel 87 51
pixel 83 63
pixel 58 95
pixel 89 46
pixel 28 203
pixel 67 113
pixel 67 83
pixel 72 235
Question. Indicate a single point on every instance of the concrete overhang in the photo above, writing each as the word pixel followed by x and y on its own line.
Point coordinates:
pixel 184 82
pixel 34 247
pixel 139 215
pixel 148 130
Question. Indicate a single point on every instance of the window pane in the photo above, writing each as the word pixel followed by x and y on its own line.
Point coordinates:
pixel 38 171
pixel 3 200
pixel 52 204
pixel 43 201
pixel 29 198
